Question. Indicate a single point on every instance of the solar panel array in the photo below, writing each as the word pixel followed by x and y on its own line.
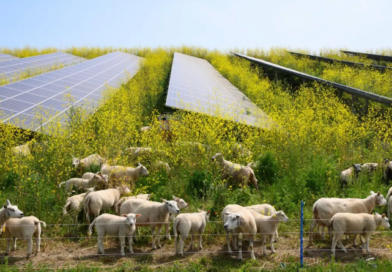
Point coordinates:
pixel 36 101
pixel 6 57
pixel 11 69
pixel 196 86
pixel 369 55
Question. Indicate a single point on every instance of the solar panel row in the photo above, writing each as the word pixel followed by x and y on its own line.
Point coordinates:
pixel 12 68
pixel 39 100
pixel 196 86
pixel 6 57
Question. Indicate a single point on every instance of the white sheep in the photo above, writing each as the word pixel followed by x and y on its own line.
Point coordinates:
pixel 236 172
pixel 139 197
pixel 74 203
pixel 114 225
pixel 181 204
pixel 264 209
pixel 24 228
pixel 267 226
pixel 145 129
pixel 96 202
pixel 347 176
pixel 21 150
pixel 98 180
pixel 325 208
pixel 389 201
pixel 369 167
pixel 241 222
pixel 189 223
pixel 153 214
pixel 87 162
pixel 9 211
pixel 360 223
pixel 122 173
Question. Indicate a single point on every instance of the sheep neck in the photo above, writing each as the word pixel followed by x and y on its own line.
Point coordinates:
pixel 370 203
pixel 3 216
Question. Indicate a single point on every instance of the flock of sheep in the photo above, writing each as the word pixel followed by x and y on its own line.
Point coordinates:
pixel 347 176
pixel 340 216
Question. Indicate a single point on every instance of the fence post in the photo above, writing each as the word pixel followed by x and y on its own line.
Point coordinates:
pixel 302 235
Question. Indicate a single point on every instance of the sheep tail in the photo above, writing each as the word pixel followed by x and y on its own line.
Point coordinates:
pixel 43 223
pixel 61 184
pixel 87 206
pixel 175 225
pixel 65 208
pixel 90 228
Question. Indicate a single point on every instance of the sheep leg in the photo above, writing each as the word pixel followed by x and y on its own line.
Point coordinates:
pixel 100 245
pixel 122 243
pixel 200 244
pixel 252 254
pixel 341 246
pixel 29 247
pixel 228 242
pixel 159 235
pixel 8 246
pixel 167 231
pixel 263 244
pixel 191 247
pixel 272 243
pixel 130 241
pixel 240 246
pixel 367 244
pixel 182 242
pixel 276 236
pixel 14 240
pixel 38 241
pixel 234 236
pixel 312 226
pixel 153 237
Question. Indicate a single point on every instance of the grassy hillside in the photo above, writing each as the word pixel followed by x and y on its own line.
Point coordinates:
pixel 317 137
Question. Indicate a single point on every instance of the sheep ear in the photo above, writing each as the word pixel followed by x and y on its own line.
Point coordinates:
pixel 163 200
pixel 383 215
pixel 7 202
pixel 139 164
pixel 376 213
pixel 137 215
pixel 378 193
pixel 208 212
pixel 372 193
pixel 5 207
pixel 124 215
pixel 200 210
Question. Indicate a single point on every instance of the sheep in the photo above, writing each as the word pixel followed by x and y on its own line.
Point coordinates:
pixel 267 226
pixel 252 165
pixel 98 180
pixel 139 197
pixel 325 208
pixel 181 205
pixel 264 209
pixel 121 173
pixel 153 214
pixel 189 223
pixel 136 153
pixel 389 201
pixel 160 165
pixel 95 202
pixel 73 203
pixel 346 176
pixel 360 223
pixel 239 151
pixel 21 150
pixel 87 162
pixel 241 222
pixel 369 167
pixel 145 129
pixel 9 211
pixel 24 228
pixel 100 184
pixel 387 170
pixel 238 173
pixel 114 225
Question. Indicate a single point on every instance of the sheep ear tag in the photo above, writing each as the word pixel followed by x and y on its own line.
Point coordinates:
pixel 4 228
pixel 138 215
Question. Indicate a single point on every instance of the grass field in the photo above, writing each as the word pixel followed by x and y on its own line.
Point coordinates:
pixel 317 137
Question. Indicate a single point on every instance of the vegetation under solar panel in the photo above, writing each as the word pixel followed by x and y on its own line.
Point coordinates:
pixel 369 55
pixel 38 100
pixel 196 86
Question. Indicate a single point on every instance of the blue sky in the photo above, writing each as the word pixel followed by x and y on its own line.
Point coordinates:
pixel 308 24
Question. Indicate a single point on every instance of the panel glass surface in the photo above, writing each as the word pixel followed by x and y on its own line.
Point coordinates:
pixel 42 99
pixel 196 86
pixel 6 57
pixel 14 68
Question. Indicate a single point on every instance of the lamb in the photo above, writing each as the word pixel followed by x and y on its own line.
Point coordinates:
pixel 95 202
pixel 267 226
pixel 241 222
pixel 189 223
pixel 87 162
pixel 145 129
pixel 21 150
pixel 236 172
pixel 264 209
pixel 153 214
pixel 9 211
pixel 181 205
pixel 346 176
pixel 98 180
pixel 387 170
pixel 369 167
pixel 114 225
pixel 139 197
pixel 325 208
pixel 24 228
pixel 100 184
pixel 361 223
pixel 73 203
pixel 121 173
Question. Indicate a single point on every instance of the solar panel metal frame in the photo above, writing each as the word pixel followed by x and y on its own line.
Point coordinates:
pixel 368 55
pixel 6 57
pixel 194 81
pixel 353 91
pixel 16 102
pixel 11 69
pixel 348 63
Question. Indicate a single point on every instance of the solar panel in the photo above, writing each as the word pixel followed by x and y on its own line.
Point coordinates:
pixel 6 57
pixel 196 86
pixel 12 68
pixel 369 56
pixel 39 100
